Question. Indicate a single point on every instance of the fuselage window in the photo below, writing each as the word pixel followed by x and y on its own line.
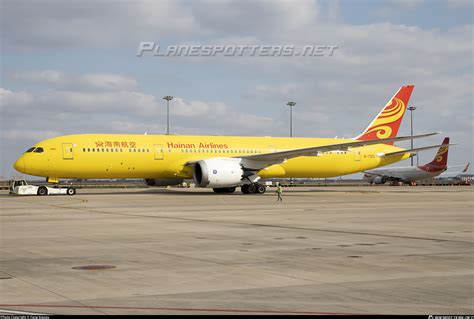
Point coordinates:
pixel 138 150
pixel 88 149
pixel 120 150
pixel 84 150
pixel 106 149
pixel 93 150
pixel 135 150
pixel 111 149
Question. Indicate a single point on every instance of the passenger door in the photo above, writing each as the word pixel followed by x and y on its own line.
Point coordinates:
pixel 68 152
pixel 158 150
pixel 356 155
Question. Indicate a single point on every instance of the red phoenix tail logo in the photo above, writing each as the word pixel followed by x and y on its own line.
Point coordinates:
pixel 388 121
pixel 382 127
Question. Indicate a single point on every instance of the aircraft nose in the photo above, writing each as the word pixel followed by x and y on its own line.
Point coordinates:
pixel 20 164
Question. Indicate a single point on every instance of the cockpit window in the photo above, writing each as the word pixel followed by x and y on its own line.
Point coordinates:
pixel 30 150
pixel 39 150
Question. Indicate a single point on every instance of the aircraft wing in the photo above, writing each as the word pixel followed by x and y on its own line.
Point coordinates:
pixel 259 161
pixel 466 167
pixel 414 150
pixel 374 173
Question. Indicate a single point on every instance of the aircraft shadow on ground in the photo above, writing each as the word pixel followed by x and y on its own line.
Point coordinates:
pixel 205 192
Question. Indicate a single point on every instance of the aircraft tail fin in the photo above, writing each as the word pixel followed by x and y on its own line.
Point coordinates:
pixel 387 122
pixel 441 157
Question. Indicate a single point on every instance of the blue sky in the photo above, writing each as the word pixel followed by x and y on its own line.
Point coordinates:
pixel 70 67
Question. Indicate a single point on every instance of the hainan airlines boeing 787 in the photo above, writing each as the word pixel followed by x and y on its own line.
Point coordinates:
pixel 220 162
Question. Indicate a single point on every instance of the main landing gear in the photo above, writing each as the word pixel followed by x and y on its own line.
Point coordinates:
pixel 224 190
pixel 253 188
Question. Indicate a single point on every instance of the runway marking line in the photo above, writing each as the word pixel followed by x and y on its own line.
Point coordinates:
pixel 185 309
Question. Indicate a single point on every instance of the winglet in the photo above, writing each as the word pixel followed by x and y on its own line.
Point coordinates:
pixel 387 122
pixel 466 168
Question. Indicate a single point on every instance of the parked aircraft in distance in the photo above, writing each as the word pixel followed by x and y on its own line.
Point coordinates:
pixel 220 162
pixel 456 177
pixel 412 174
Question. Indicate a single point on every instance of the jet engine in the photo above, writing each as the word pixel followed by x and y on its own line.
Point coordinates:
pixel 379 180
pixel 163 181
pixel 217 172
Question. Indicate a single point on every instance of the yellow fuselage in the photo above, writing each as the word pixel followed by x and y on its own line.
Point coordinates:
pixel 165 156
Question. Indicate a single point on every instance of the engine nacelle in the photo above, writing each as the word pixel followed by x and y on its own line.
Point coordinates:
pixel 217 172
pixel 379 180
pixel 163 181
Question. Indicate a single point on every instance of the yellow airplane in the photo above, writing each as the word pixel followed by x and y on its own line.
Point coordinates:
pixel 220 162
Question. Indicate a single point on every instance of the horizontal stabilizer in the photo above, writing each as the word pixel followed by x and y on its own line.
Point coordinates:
pixel 413 150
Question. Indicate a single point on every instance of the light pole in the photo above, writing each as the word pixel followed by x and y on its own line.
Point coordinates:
pixel 411 109
pixel 168 98
pixel 291 104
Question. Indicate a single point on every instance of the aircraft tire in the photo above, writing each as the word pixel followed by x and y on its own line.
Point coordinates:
pixel 252 188
pixel 261 188
pixel 224 190
pixel 245 189
pixel 71 191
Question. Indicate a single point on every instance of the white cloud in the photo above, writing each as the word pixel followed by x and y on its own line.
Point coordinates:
pixel 47 76
pixel 32 136
pixel 108 81
pixel 51 24
pixel 96 81
pixel 54 23
pixel 14 99
pixel 280 92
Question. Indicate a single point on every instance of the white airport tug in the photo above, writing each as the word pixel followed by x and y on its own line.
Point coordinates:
pixel 21 187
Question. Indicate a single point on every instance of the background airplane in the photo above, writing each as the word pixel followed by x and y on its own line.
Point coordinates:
pixel 411 174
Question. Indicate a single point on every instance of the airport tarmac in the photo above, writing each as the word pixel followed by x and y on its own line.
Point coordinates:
pixel 326 250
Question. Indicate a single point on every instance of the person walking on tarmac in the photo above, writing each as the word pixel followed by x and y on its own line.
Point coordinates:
pixel 279 191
